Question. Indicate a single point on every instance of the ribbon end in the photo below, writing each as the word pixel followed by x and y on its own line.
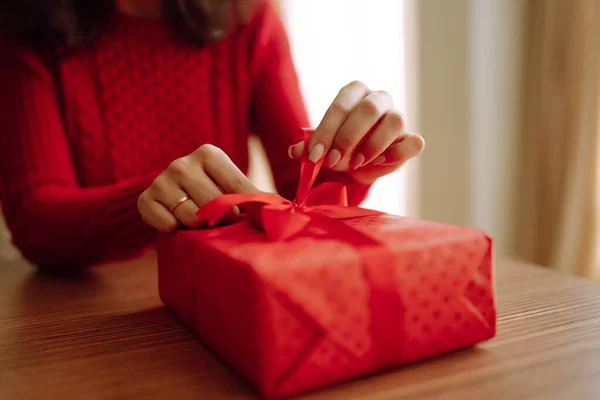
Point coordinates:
pixel 308 170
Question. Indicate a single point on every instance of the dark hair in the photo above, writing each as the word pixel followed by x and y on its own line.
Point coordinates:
pixel 66 23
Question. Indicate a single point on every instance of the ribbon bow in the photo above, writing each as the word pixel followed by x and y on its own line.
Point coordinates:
pixel 281 218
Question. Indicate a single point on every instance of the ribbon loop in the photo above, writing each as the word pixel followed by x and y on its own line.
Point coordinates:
pixel 280 218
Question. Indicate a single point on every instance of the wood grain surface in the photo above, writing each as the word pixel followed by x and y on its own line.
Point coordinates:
pixel 105 335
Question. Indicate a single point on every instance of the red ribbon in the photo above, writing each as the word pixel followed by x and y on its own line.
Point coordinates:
pixel 281 218
pixel 325 207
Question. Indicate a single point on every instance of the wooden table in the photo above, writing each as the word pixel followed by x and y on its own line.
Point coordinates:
pixel 105 335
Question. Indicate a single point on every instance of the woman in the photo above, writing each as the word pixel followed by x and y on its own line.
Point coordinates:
pixel 99 97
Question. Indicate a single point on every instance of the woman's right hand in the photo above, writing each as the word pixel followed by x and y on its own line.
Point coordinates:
pixel 200 176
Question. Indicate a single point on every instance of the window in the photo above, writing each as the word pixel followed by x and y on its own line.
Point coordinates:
pixel 337 41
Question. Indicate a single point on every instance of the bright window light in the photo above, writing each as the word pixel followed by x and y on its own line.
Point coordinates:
pixel 337 41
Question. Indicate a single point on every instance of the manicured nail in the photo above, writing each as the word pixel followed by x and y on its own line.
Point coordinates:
pixel 295 151
pixel 378 160
pixel 333 157
pixel 316 152
pixel 357 160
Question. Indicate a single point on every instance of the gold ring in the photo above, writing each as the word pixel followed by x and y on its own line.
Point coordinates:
pixel 178 203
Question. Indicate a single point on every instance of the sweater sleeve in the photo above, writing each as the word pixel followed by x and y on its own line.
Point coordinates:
pixel 53 220
pixel 277 108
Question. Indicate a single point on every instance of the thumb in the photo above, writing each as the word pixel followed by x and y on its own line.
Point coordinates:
pixel 295 151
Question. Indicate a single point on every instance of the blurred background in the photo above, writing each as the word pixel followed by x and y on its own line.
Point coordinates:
pixel 505 93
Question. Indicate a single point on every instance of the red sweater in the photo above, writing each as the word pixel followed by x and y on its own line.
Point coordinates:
pixel 76 151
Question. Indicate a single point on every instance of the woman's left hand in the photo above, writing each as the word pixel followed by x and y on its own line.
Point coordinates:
pixel 362 135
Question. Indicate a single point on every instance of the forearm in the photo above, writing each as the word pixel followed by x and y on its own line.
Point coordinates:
pixel 69 227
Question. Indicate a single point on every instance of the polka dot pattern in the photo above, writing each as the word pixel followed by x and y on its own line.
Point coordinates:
pixel 324 365
pixel 442 274
pixel 290 334
pixel 478 291
pixel 334 294
pixel 443 277
pixel 446 288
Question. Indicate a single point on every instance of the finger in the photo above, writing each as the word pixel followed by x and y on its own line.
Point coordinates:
pixel 295 151
pixel 390 129
pixel 346 100
pixel 172 196
pixel 223 172
pixel 156 214
pixel 409 146
pixel 359 123
pixel 203 189
pixel 185 210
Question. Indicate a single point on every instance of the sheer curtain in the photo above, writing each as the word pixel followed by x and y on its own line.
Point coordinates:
pixel 559 199
pixel 337 41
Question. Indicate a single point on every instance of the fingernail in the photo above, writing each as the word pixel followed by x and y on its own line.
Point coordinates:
pixel 378 160
pixel 357 160
pixel 295 151
pixel 333 157
pixel 317 152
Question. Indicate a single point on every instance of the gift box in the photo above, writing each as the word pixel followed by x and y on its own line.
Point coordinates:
pixel 299 295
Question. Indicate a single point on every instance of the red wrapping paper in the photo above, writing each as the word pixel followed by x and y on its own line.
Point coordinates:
pixel 307 293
